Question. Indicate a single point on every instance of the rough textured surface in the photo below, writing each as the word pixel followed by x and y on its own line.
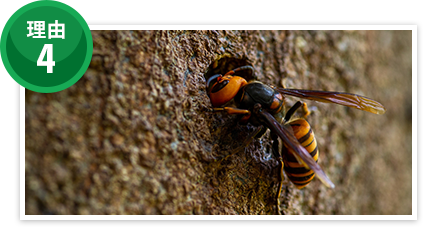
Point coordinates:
pixel 134 136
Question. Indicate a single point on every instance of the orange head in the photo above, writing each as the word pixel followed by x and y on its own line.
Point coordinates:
pixel 224 89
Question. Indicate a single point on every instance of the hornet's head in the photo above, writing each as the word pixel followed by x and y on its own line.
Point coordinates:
pixel 222 89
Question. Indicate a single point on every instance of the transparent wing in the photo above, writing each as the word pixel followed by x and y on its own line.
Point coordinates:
pixel 286 134
pixel 342 98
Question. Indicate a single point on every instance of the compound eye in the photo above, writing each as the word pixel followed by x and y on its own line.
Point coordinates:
pixel 212 79
pixel 219 86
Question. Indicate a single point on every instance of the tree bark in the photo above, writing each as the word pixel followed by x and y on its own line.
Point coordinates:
pixel 134 135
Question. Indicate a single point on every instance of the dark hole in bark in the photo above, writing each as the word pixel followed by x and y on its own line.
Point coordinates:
pixel 224 64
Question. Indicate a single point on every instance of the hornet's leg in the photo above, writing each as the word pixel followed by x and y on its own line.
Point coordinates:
pixel 306 111
pixel 231 110
pixel 291 111
pixel 294 108
pixel 276 153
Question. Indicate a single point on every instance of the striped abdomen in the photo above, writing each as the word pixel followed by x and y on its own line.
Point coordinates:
pixel 297 173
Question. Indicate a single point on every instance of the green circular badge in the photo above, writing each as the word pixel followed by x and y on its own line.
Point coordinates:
pixel 46 46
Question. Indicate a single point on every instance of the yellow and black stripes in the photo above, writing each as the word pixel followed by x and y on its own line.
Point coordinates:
pixel 297 172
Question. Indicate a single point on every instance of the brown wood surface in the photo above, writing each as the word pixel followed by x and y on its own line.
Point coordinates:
pixel 134 136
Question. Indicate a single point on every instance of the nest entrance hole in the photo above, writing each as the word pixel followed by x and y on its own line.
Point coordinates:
pixel 224 64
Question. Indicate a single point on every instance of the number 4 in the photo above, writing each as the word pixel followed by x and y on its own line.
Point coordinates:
pixel 48 48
